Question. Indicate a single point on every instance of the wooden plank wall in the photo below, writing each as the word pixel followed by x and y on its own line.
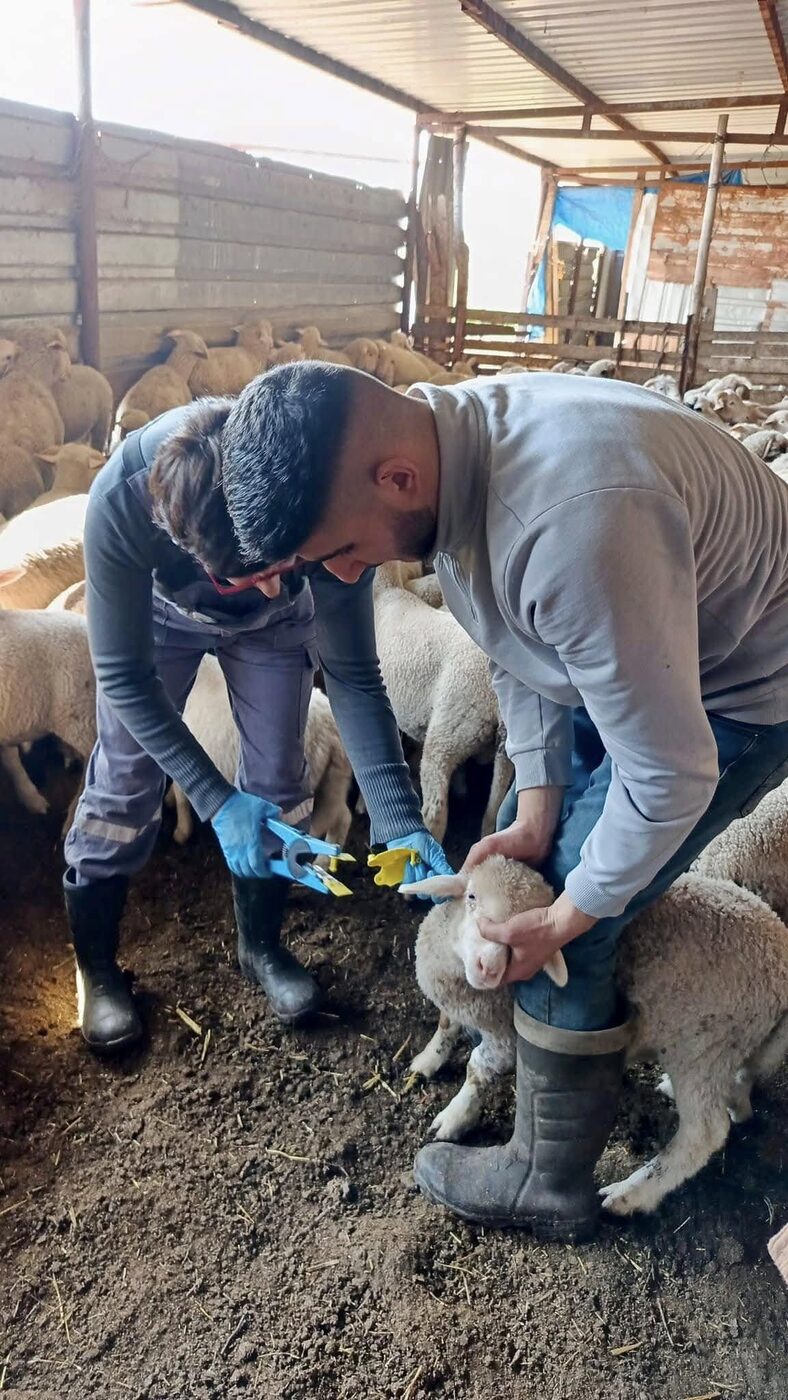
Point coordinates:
pixel 192 235
pixel 37 256
pixel 640 348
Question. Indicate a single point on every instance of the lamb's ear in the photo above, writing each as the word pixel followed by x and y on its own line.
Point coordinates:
pixel 556 969
pixel 442 886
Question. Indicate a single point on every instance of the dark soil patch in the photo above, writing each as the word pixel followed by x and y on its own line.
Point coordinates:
pixel 236 1217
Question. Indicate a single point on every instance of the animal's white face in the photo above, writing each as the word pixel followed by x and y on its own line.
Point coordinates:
pixel 485 962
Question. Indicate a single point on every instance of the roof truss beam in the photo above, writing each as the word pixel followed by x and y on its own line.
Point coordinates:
pixel 494 23
pixel 693 138
pixel 771 23
pixel 610 109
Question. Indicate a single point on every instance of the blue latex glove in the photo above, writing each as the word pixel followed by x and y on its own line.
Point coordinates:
pixel 239 825
pixel 433 861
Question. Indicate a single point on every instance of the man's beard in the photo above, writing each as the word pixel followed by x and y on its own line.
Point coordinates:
pixel 415 534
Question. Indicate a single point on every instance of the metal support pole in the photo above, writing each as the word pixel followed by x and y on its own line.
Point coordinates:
pixel 704 247
pixel 411 232
pixel 85 212
pixel 460 247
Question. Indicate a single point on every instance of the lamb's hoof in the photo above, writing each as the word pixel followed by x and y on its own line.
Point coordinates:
pixel 425 1064
pixel 635 1192
pixel 452 1124
pixel 665 1087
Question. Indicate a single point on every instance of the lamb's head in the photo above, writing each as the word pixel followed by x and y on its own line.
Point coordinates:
pixel 256 336
pixel 188 343
pixel 76 464
pixel 497 889
pixel 312 340
pixel 386 370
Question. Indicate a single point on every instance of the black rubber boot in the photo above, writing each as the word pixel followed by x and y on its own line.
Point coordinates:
pixel 107 1015
pixel 259 910
pixel 542 1180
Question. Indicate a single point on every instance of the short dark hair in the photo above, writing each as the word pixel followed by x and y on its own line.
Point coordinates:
pixel 280 449
pixel 186 488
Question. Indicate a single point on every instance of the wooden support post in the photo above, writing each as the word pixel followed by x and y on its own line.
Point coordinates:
pixel 549 191
pixel 85 213
pixel 411 233
pixel 704 247
pixel 460 247
pixel 637 204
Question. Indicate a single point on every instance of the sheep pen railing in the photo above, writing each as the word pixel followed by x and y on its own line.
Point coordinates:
pixel 492 338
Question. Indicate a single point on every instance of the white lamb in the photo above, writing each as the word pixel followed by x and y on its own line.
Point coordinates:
pixel 47 686
pixel 767 444
pixel 29 415
pixel 779 465
pixel 76 465
pixel 229 368
pixel 363 353
pixel 753 852
pixel 439 685
pixel 209 716
pixel 666 384
pixel 41 553
pixel 705 971
pixel 163 386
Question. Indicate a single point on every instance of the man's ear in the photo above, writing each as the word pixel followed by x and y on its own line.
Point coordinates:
pixel 396 475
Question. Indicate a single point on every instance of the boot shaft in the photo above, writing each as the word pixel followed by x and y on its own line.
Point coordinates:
pixel 94 912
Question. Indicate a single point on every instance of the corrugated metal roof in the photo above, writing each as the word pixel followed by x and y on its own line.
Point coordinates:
pixel 623 50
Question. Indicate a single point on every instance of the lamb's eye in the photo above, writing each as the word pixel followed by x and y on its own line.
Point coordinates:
pixel 471 897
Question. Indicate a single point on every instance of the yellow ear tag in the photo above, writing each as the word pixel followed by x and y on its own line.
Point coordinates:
pixel 391 865
pixel 331 883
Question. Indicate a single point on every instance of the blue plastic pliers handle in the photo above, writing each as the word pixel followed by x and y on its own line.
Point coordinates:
pixel 297 859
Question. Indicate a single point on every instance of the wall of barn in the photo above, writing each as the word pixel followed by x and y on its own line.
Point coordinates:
pixel 189 235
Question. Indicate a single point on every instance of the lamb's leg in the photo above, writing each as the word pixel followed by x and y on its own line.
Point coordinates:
pixel 502 777
pixel 489 1059
pixel 439 760
pixel 765 1061
pixel 26 791
pixel 435 1054
pixel 702 1131
pixel 184 825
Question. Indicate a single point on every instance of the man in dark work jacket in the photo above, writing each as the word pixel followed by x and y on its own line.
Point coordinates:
pixel 154 609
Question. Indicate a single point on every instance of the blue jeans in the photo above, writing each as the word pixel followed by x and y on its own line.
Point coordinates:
pixel 268 671
pixel 752 760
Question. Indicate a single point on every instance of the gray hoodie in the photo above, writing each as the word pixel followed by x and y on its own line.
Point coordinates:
pixel 609 548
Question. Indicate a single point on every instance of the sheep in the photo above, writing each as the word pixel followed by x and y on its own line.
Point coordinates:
pixel 386 371
pixel 753 852
pixel 736 382
pixel 229 368
pixel 76 464
pixel 779 465
pixel 85 401
pixel 164 386
pixel 778 418
pixel 286 352
pixel 602 369
pixel 41 553
pixel 448 376
pixel 409 366
pixel 72 599
pixel 398 340
pixel 666 384
pixel 45 359
pixel 28 413
pixel 705 970
pixel 21 480
pixel 363 353
pixel 209 716
pixel 730 407
pixel 766 443
pixel 315 348
pixel 47 686
pixel 439 685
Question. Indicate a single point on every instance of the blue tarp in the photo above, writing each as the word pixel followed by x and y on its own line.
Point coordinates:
pixel 602 213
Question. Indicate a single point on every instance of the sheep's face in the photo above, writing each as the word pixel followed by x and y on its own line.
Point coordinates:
pixel 485 963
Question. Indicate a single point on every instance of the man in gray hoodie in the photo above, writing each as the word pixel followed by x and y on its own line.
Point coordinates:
pixel 624 565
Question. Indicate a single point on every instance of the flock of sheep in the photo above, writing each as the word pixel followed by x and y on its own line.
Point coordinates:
pixel 706 968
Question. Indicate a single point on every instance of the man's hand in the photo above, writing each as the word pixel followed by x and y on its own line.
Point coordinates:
pixel 239 826
pixel 433 859
pixel 530 837
pixel 534 936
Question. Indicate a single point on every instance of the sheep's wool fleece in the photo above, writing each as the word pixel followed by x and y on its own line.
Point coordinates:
pixel 607 547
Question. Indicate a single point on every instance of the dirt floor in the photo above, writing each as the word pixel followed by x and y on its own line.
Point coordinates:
pixel 231 1213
